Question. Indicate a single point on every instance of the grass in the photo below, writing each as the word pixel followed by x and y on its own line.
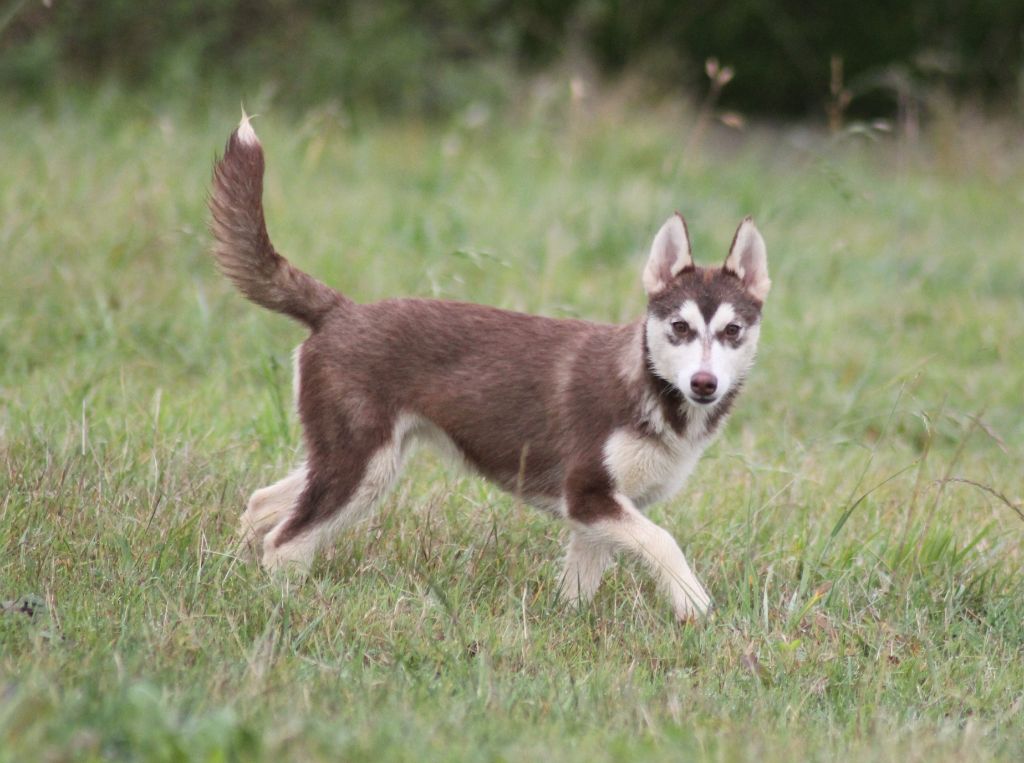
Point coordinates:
pixel 868 608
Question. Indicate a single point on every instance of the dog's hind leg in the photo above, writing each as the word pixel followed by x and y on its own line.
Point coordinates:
pixel 267 507
pixel 337 494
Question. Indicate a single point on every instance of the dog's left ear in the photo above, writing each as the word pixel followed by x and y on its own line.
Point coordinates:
pixel 748 259
pixel 670 255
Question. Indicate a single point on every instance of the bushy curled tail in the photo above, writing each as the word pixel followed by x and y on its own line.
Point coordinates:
pixel 242 247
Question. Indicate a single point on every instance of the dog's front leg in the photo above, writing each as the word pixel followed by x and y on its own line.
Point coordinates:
pixel 613 523
pixel 587 556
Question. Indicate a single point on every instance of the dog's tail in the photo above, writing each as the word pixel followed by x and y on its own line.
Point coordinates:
pixel 242 247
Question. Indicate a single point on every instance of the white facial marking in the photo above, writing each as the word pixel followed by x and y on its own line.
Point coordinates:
pixel 678 358
pixel 718 354
pixel 690 313
pixel 724 315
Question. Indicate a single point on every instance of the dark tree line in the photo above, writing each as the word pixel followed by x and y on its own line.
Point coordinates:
pixel 432 55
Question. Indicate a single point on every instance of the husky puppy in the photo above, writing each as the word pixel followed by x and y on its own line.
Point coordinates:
pixel 589 421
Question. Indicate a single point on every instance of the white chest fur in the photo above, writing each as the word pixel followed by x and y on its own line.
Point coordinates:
pixel 650 469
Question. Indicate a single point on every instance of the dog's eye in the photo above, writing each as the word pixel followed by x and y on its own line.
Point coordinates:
pixel 733 330
pixel 681 328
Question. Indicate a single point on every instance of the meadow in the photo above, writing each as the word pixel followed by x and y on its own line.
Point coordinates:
pixel 858 523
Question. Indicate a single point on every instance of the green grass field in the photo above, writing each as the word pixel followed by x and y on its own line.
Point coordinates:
pixel 868 607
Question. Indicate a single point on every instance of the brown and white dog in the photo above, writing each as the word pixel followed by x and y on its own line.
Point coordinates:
pixel 592 422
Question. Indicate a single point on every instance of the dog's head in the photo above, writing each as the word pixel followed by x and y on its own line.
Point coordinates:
pixel 703 323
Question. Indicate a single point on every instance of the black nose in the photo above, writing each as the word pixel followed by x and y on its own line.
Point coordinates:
pixel 703 384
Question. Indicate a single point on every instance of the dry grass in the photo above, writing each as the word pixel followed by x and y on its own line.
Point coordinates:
pixel 856 522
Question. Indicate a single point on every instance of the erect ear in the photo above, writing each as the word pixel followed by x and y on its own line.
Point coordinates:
pixel 670 255
pixel 748 258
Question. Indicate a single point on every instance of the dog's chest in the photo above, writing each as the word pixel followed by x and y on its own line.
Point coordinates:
pixel 649 469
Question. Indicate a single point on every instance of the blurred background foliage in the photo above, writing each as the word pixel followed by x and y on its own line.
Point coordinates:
pixel 434 56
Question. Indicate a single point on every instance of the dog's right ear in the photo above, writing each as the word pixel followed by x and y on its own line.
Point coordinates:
pixel 670 255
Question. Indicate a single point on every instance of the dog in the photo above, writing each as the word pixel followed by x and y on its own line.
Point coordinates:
pixel 589 421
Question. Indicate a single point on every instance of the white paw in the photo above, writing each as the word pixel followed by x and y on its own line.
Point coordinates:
pixel 293 558
pixel 692 603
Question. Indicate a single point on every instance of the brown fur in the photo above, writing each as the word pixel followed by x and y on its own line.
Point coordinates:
pixel 364 364
pixel 530 402
pixel 243 249
pixel 492 385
